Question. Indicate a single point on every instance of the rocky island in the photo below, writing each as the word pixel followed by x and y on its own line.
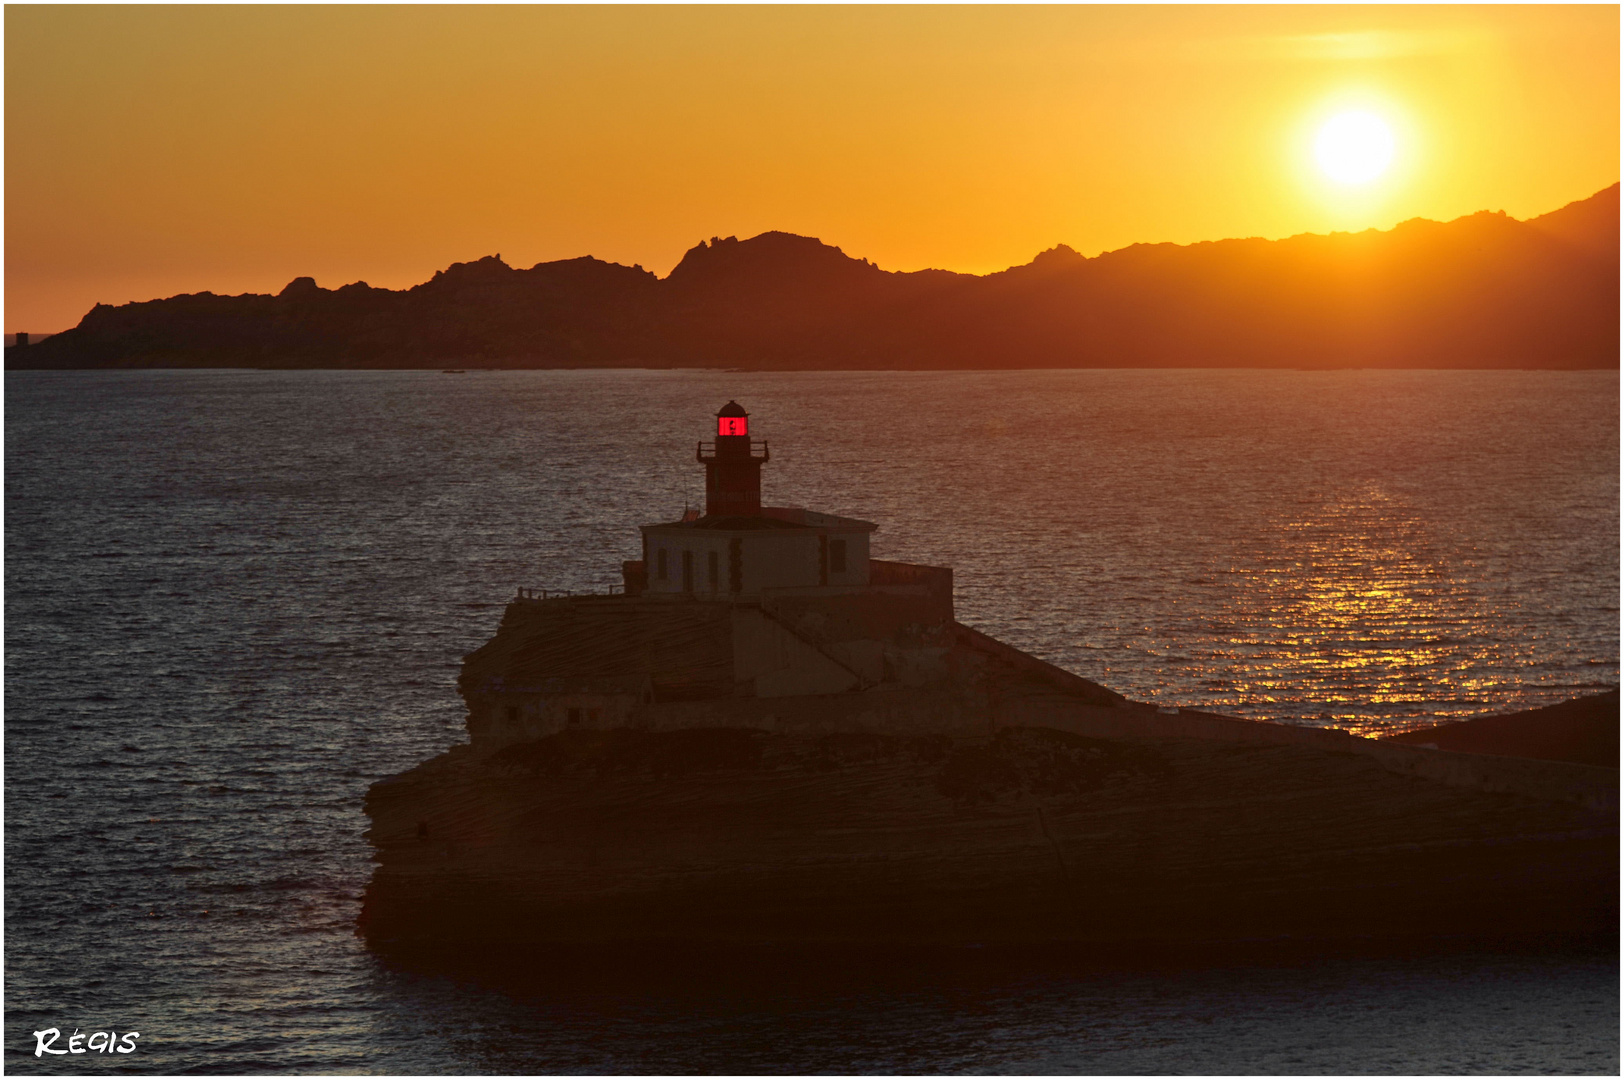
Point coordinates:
pixel 769 737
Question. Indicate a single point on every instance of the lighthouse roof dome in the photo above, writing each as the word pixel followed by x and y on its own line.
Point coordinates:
pixel 732 408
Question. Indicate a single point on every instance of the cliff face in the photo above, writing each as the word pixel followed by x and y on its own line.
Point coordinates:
pixel 1482 291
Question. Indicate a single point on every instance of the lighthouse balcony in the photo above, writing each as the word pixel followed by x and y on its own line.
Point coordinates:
pixel 711 451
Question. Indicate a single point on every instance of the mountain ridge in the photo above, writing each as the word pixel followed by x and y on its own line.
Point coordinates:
pixel 1482 290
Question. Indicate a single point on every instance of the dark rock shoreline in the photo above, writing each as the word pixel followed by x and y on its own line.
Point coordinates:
pixel 1027 836
pixel 1583 730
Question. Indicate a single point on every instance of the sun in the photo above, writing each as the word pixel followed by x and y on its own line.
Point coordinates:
pixel 1354 147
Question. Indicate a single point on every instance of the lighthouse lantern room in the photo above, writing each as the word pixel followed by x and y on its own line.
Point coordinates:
pixel 732 420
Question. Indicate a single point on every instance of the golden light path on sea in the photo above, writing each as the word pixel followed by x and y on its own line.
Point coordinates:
pixel 1362 610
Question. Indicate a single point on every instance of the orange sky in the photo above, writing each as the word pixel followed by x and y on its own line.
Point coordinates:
pixel 151 151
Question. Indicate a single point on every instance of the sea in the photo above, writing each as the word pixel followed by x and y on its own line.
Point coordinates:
pixel 234 599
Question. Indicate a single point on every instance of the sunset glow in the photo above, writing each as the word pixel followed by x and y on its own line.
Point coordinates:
pixel 159 150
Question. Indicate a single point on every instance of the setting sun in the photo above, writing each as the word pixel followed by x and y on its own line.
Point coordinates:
pixel 1354 147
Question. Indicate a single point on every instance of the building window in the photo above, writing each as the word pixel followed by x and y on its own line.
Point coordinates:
pixel 687 571
pixel 735 565
pixel 594 715
pixel 837 556
pixel 659 564
pixel 513 714
pixel 575 717
pixel 715 568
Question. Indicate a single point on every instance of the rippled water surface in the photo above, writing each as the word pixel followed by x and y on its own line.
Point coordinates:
pixel 235 599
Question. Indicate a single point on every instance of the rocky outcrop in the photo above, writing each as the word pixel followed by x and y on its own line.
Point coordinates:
pixel 849 764
pixel 1025 834
pixel 968 794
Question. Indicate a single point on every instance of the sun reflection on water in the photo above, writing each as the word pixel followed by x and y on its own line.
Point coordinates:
pixel 1355 607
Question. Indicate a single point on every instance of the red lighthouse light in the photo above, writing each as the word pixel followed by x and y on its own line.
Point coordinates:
pixel 732 425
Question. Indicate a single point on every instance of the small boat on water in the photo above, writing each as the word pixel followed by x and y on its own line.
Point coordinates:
pixel 453 371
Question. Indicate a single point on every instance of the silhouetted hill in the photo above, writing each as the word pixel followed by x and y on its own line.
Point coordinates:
pixel 1589 225
pixel 563 313
pixel 1482 291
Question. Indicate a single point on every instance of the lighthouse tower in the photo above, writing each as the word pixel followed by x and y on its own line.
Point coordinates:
pixel 732 469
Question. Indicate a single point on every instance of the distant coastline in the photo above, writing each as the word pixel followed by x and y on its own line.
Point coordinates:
pixel 1483 291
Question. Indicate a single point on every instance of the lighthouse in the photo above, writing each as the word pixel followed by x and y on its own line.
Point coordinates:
pixel 732 468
